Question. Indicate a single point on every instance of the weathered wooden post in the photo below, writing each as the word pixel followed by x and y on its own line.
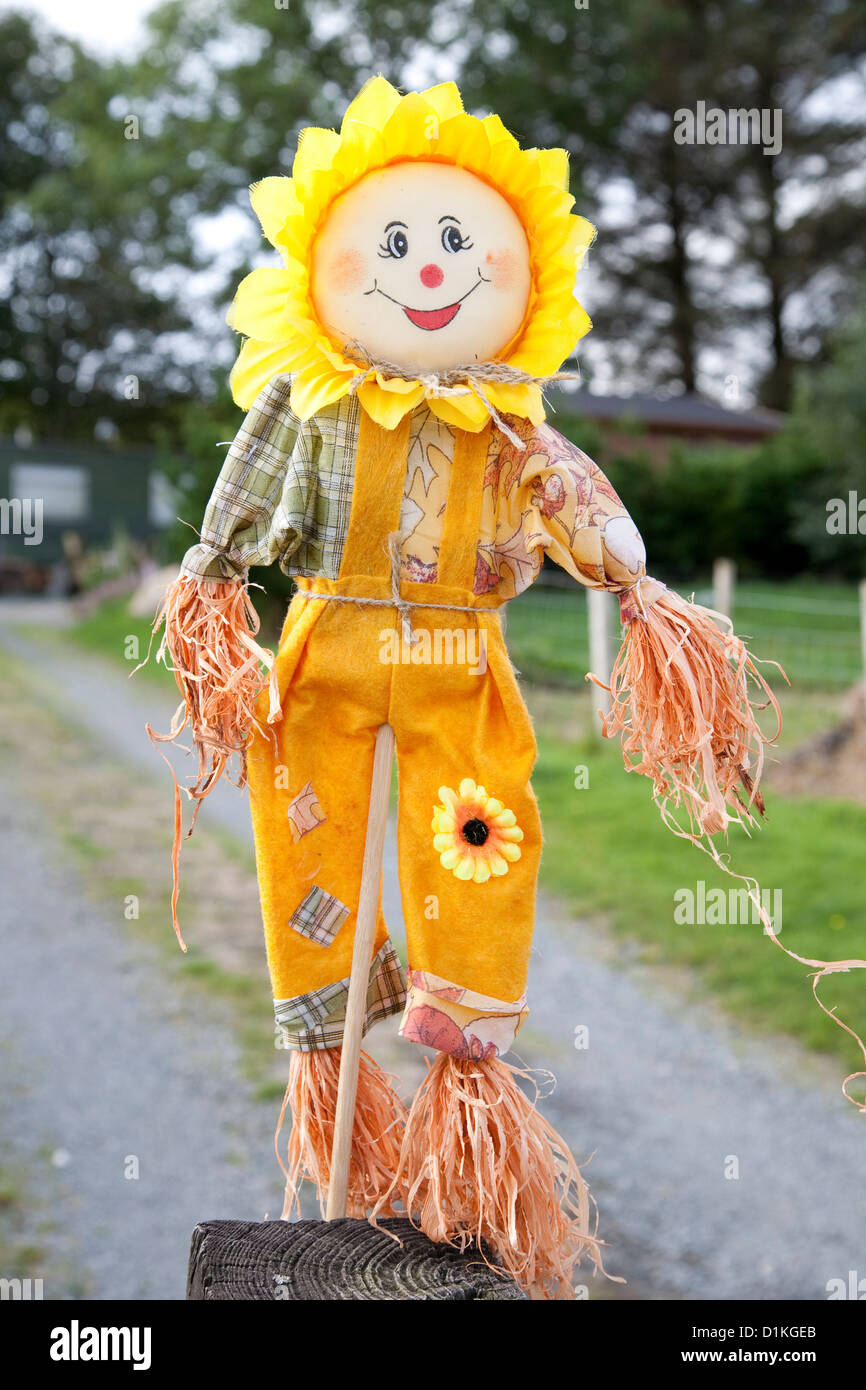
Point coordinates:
pixel 599 612
pixel 325 1261
pixel 724 580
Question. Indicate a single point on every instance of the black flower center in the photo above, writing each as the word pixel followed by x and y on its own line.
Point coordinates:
pixel 475 832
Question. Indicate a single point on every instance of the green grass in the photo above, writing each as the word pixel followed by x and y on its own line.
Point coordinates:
pixel 607 853
pixel 811 629
pixel 19 1257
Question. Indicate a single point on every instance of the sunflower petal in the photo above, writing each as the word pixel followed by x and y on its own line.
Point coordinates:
pixel 315 387
pixel 259 307
pixel 445 99
pixel 373 104
pixel 315 152
pixel 386 407
pixel 256 364
pixel 274 201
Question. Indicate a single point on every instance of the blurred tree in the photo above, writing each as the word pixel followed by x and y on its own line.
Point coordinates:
pixel 603 81
pixel 114 173
pixel 794 504
pixel 826 442
pixel 127 224
pixel 801 212
pixel 84 338
pixel 718 261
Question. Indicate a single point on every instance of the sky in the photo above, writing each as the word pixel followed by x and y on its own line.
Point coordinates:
pixel 104 26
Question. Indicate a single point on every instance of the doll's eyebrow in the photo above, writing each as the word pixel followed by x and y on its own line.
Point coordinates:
pixel 395 224
pixel 449 218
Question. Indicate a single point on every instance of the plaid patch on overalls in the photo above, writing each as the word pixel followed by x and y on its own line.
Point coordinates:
pixel 320 916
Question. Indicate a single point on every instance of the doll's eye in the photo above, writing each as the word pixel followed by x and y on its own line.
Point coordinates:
pixel 396 243
pixel 454 240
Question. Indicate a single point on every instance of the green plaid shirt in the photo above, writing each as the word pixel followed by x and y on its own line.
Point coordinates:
pixel 284 492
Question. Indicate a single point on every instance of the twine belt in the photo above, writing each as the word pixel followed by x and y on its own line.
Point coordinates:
pixel 403 606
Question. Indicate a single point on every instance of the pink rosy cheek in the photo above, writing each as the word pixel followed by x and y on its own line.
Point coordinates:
pixel 502 267
pixel 347 271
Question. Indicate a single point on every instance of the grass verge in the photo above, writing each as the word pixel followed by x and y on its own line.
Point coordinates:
pixel 607 853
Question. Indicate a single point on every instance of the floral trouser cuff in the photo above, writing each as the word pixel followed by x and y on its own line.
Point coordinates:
pixel 457 1020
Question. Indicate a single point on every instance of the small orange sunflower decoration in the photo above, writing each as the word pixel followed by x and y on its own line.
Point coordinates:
pixel 475 835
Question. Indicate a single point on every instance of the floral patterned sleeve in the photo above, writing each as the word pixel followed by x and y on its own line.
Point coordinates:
pixel 569 510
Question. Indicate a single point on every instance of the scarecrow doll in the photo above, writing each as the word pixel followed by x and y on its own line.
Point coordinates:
pixel 395 461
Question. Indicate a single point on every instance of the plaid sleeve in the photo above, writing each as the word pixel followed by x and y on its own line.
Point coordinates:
pixel 237 529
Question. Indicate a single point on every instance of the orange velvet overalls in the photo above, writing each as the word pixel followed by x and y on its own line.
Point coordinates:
pixel 310 774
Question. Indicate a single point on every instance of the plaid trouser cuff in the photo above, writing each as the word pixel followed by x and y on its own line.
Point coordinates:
pixel 316 1020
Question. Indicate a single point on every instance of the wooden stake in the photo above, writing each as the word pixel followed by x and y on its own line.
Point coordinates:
pixel 598 603
pixel 362 955
pixel 724 580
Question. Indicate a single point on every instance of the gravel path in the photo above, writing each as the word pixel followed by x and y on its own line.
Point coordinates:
pixel 106 1071
pixel 725 1167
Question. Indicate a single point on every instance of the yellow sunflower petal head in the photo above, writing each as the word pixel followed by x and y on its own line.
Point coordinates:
pixel 475 836
pixel 284 311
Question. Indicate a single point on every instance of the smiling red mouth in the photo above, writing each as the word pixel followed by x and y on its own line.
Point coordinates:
pixel 431 318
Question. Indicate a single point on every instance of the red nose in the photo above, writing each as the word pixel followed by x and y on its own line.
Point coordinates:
pixel 431 276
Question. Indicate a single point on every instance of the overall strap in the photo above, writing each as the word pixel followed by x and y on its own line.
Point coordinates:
pixel 377 497
pixel 463 509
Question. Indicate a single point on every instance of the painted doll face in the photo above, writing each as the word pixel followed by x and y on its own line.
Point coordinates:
pixel 424 264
